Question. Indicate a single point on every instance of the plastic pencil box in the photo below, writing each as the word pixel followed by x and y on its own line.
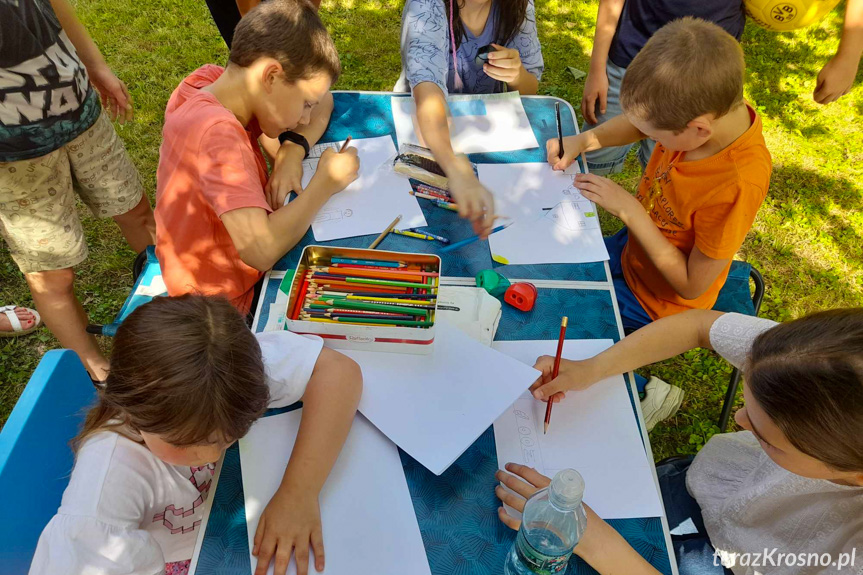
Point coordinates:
pixel 337 335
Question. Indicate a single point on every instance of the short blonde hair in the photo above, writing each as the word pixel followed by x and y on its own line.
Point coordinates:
pixel 690 67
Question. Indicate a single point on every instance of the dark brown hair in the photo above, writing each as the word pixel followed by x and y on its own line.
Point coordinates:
pixel 185 368
pixel 291 32
pixel 509 20
pixel 807 375
pixel 688 68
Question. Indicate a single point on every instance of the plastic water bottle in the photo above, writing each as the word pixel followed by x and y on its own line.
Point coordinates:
pixel 552 523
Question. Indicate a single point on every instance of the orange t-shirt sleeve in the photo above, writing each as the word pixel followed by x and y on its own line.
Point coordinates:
pixel 229 173
pixel 721 226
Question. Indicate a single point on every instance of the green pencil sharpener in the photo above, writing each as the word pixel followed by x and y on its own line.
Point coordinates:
pixel 492 282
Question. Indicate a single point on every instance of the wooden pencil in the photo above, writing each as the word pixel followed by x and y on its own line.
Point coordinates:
pixel 554 372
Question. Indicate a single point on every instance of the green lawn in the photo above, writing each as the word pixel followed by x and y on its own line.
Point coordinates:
pixel 806 240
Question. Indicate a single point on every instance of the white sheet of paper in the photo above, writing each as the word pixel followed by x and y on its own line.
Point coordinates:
pixel 435 406
pixel 372 201
pixel 552 221
pixel 367 515
pixel 592 431
pixel 477 124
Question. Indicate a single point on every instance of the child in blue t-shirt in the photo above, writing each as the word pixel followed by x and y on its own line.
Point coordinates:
pixel 440 43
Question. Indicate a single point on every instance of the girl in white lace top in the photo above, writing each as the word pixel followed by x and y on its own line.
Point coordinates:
pixel 782 497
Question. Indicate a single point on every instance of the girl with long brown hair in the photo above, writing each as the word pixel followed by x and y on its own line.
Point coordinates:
pixel 470 47
pixel 187 378
pixel 784 496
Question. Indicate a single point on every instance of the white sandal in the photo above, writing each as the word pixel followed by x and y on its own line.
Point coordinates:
pixel 17 328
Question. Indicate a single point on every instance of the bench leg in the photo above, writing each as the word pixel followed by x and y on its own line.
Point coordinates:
pixel 728 404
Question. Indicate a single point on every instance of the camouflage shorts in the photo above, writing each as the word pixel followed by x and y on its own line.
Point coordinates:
pixel 38 218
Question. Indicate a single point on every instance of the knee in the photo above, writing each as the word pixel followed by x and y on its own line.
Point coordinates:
pixel 140 215
pixel 54 283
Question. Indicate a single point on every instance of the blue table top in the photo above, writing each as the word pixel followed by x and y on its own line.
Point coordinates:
pixel 456 510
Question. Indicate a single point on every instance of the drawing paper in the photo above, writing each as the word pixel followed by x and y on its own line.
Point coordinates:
pixel 552 221
pixel 368 519
pixel 370 203
pixel 435 406
pixel 477 124
pixel 594 431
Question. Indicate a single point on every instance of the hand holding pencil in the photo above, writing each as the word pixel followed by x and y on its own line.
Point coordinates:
pixel 337 170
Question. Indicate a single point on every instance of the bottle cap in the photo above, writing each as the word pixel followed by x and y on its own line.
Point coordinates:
pixel 567 489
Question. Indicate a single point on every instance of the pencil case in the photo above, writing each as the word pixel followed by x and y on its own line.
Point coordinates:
pixel 418 163
pixel 316 268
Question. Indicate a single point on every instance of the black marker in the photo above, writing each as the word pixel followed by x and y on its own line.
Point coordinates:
pixel 559 131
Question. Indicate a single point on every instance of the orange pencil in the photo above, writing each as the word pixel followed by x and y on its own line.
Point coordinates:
pixel 555 371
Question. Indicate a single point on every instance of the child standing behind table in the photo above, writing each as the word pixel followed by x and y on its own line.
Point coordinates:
pixel 187 380
pixel 221 222
pixel 440 43
pixel 702 187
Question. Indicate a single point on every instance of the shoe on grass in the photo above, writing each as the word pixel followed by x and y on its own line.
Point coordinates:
pixel 662 401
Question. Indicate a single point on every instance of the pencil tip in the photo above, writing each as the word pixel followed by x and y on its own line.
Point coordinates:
pixel 545 429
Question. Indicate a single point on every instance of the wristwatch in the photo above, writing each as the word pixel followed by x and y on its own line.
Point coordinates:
pixel 299 139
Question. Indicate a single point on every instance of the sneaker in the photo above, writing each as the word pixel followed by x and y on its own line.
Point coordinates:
pixel 662 401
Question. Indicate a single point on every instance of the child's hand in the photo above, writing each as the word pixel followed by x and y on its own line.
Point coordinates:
pixel 835 78
pixel 503 64
pixel 115 97
pixel 291 522
pixel 524 481
pixel 595 92
pixel 337 170
pixel 616 201
pixel 572 376
pixel 287 174
pixel 572 148
pixel 474 201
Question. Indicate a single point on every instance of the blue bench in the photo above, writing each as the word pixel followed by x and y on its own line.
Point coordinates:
pixel 35 458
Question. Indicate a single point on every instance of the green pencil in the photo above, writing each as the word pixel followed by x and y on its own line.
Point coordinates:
pixel 385 282
pixel 402 323
pixel 352 304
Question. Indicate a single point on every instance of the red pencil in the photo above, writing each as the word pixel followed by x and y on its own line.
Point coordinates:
pixel 301 297
pixel 555 371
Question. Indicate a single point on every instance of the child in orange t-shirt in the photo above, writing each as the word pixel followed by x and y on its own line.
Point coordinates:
pixel 704 183
pixel 220 222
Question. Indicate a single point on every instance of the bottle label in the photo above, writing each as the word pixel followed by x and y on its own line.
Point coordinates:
pixel 538 562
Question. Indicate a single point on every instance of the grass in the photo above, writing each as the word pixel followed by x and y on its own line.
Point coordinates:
pixel 806 240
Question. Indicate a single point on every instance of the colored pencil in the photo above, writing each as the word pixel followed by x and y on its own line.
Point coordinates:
pixel 407 296
pixel 347 304
pixel 472 239
pixel 301 295
pixel 345 145
pixel 414 235
pixel 441 239
pixel 342 268
pixel 559 131
pixel 446 206
pixel 392 322
pixel 377 263
pixel 379 274
pixel 433 191
pixel 377 315
pixel 386 232
pixel 554 372
pixel 389 300
pixel 344 285
pixel 370 281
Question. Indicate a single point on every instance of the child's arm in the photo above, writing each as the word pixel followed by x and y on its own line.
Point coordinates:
pixel 616 132
pixel 474 201
pixel 689 276
pixel 662 339
pixel 596 83
pixel 837 76
pixel 292 519
pixel 287 175
pixel 115 96
pixel 600 546
pixel 262 238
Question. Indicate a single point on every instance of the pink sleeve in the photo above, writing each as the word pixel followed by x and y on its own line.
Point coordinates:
pixel 229 172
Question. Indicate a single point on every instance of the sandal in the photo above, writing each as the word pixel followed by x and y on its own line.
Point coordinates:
pixel 17 328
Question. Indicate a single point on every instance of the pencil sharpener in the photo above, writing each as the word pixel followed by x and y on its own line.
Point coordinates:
pixel 494 283
pixel 521 296
pixel 482 54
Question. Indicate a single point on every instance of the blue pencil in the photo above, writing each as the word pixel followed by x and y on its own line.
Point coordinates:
pixel 377 263
pixel 471 239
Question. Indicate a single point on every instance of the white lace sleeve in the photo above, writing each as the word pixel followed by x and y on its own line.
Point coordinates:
pixel 732 336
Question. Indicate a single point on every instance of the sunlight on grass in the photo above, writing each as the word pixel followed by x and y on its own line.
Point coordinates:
pixel 807 240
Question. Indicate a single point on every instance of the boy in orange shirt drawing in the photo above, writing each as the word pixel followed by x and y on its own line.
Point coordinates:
pixel 703 185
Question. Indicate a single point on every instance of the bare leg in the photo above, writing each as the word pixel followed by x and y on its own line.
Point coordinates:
pixel 138 225
pixel 54 295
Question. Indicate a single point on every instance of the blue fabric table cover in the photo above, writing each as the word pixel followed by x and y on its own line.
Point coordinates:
pixel 456 511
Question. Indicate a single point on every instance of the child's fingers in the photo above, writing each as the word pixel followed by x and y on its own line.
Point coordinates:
pixel 509 498
pixel 556 385
pixel 318 548
pixel 301 554
pixel 552 148
pixel 510 522
pixel 259 537
pixel 530 474
pixel 265 554
pixel 514 483
pixel 588 108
